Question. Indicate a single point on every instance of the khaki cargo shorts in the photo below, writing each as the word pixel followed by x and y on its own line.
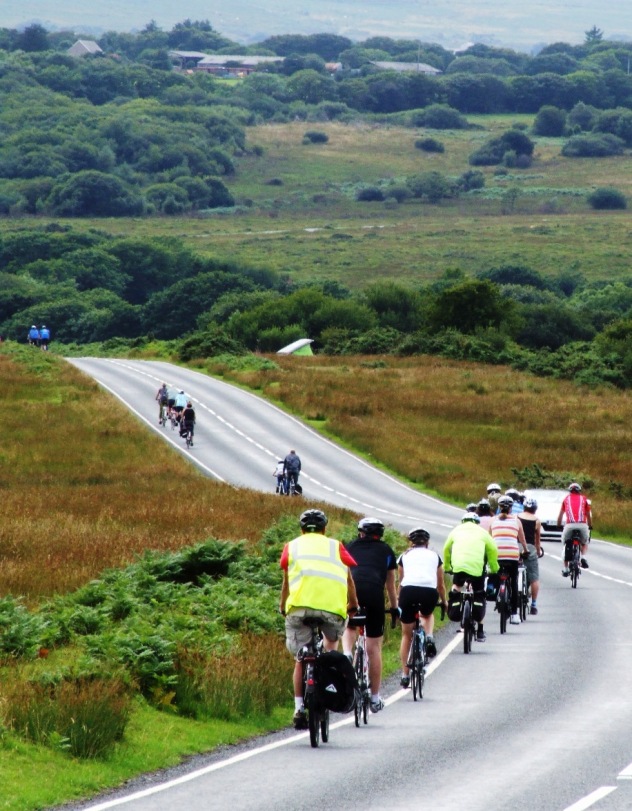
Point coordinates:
pixel 297 634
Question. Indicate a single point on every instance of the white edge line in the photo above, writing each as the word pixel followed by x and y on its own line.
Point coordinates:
pixel 591 799
pixel 213 767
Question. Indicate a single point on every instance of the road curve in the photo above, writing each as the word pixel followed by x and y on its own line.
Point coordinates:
pixel 539 719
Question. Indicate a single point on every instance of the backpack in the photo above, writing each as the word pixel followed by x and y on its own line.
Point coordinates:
pixel 336 682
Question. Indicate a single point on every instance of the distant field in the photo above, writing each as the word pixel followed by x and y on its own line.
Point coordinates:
pixel 311 227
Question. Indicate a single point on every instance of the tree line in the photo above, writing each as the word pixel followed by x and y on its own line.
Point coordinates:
pixel 92 287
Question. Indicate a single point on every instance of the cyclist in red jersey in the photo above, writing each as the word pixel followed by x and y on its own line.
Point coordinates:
pixel 578 513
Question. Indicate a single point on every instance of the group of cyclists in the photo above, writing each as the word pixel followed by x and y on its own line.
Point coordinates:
pixel 39 336
pixel 175 405
pixel 286 474
pixel 329 580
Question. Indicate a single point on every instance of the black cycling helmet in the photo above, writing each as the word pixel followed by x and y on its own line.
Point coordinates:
pixel 313 520
pixel 574 487
pixel 371 526
pixel 470 517
pixel 484 507
pixel 418 536
pixel 504 503
pixel 471 507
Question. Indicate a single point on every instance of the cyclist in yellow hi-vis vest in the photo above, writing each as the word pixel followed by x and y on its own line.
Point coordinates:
pixel 316 583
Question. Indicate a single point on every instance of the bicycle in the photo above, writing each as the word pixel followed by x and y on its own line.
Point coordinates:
pixel 523 591
pixel 188 436
pixel 163 414
pixel 418 658
pixel 468 623
pixel 503 599
pixel 573 553
pixel 317 716
pixel 361 666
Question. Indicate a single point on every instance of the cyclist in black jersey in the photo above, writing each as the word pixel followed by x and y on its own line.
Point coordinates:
pixel 374 572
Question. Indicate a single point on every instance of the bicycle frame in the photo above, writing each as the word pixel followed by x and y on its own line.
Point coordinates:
pixel 574 547
pixel 361 667
pixel 318 718
pixel 503 600
pixel 417 658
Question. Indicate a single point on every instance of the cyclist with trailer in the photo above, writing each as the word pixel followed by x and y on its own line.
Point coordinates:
pixel 467 549
pixel 317 584
pixel 509 539
pixel 373 572
pixel 532 528
pixel 578 513
pixel 421 587
pixel 187 420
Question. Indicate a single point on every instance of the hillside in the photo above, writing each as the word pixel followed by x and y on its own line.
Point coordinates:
pixel 451 23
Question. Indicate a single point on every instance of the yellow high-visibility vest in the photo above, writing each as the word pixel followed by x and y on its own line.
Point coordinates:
pixel 317 576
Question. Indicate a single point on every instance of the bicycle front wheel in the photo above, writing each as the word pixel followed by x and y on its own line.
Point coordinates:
pixel 313 719
pixel 324 725
pixel 503 607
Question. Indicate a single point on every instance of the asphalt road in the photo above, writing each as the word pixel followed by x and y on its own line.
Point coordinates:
pixel 537 720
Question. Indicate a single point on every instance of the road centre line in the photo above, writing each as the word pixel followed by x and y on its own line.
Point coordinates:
pixel 232 427
pixel 591 799
pixel 625 774
pixel 594 573
pixel 269 747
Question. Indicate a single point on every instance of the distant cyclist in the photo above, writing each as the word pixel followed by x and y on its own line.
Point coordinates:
pixel 162 398
pixel 374 571
pixel 187 419
pixel 291 469
pixel 279 473
pixel 517 498
pixel 484 512
pixel 421 587
pixel 467 548
pixel 180 403
pixel 578 513
pixel 494 490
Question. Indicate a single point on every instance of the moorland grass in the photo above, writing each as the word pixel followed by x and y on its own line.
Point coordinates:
pixel 453 427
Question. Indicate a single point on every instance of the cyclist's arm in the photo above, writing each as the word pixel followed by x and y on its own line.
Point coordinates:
pixel 521 538
pixel 560 516
pixel 352 597
pixel 491 552
pixel 447 554
pixel 390 588
pixel 285 592
pixel 441 584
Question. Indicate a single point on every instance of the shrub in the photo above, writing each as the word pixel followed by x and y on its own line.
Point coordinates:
pixel 441 117
pixel 550 121
pixel 370 194
pixel 607 198
pixel 315 137
pixel 593 146
pixel 472 179
pixel 429 145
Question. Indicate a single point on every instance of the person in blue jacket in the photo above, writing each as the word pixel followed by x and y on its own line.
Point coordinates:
pixel 33 336
pixel 44 336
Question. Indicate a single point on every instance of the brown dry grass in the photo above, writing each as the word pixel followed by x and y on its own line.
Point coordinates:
pixel 85 488
pixel 457 426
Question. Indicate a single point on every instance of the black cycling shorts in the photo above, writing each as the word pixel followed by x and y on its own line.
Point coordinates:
pixel 461 578
pixel 371 601
pixel 417 598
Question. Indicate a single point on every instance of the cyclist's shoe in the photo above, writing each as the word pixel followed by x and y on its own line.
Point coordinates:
pixel 515 619
pixel 300 720
pixel 584 563
pixel 565 571
pixel 404 681
pixel 431 648
pixel 481 636
pixel 533 610
pixel 376 706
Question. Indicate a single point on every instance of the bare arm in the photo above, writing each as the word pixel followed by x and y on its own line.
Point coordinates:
pixel 521 538
pixel 352 597
pixel 390 588
pixel 441 584
pixel 285 592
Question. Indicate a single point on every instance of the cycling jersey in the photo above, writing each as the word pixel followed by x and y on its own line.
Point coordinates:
pixel 420 566
pixel 374 560
pixel 576 508
pixel 181 400
pixel 467 548
pixel 505 532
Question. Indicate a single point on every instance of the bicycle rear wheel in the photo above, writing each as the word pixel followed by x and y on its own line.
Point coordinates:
pixel 524 598
pixel 313 719
pixel 574 574
pixel 359 672
pixel 503 607
pixel 467 626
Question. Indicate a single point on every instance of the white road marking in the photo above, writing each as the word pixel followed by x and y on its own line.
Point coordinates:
pixel 625 774
pixel 592 571
pixel 269 747
pixel 591 798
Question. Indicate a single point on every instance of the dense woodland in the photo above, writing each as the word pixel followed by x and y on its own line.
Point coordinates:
pixel 124 134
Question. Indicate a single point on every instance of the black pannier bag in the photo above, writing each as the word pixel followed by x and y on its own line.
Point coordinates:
pixel 455 606
pixel 336 682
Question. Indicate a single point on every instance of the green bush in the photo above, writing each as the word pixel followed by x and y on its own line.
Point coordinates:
pixel 593 146
pixel 369 194
pixel 315 137
pixel 429 145
pixel 606 198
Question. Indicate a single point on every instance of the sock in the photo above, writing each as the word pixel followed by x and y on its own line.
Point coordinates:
pixel 375 697
pixel 533 603
pixel 298 702
pixel 348 652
